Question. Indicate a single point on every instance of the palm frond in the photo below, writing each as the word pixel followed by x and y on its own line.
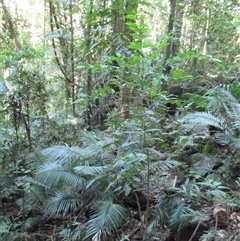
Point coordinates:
pixel 97 148
pixel 33 197
pixel 176 217
pixel 90 170
pixel 235 144
pixel 51 174
pixel 106 217
pixel 65 234
pixel 222 93
pixel 185 217
pixel 130 162
pixel 62 203
pixel 203 119
pixel 223 139
pixel 158 217
pixel 88 138
pixel 63 154
pixel 168 211
pixel 164 165
pixel 35 158
pixel 221 102
pixel 131 146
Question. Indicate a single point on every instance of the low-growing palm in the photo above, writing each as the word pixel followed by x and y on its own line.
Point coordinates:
pixel 92 177
pixel 222 114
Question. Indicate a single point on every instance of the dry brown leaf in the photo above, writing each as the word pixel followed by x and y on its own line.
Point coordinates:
pixel 220 215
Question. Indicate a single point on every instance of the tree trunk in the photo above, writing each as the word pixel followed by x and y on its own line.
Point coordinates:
pixel 178 23
pixel 13 32
pixel 169 49
pixel 120 10
pixel 72 58
pixel 89 62
pixel 206 31
pixel 57 48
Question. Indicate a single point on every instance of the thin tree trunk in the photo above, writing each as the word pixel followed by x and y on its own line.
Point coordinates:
pixel 195 28
pixel 178 23
pixel 206 31
pixel 168 50
pixel 14 35
pixel 89 61
pixel 57 51
pixel 72 60
pixel 194 37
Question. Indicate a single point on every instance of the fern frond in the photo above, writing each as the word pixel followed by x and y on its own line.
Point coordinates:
pixel 107 216
pixel 203 119
pixel 61 203
pixel 223 103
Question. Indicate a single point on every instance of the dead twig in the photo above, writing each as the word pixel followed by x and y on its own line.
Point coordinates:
pixel 195 231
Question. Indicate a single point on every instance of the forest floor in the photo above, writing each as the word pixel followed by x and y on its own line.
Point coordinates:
pixel 224 224
pixel 223 221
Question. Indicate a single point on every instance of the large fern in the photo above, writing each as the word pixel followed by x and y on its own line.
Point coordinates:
pixel 223 111
pixel 222 103
pixel 204 119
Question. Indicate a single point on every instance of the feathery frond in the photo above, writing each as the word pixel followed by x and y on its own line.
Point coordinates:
pixel 176 217
pixel 107 216
pixel 222 102
pixel 164 165
pixel 202 118
pixel 63 154
pixel 61 203
pixel 96 148
pixel 90 170
pixel 51 174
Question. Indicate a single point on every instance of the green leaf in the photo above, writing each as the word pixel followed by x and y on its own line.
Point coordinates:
pixel 110 90
pixel 127 189
pixel 131 16
pixel 171 60
pixel 186 55
pixel 134 46
pixel 102 91
pixel 132 26
pixel 178 74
